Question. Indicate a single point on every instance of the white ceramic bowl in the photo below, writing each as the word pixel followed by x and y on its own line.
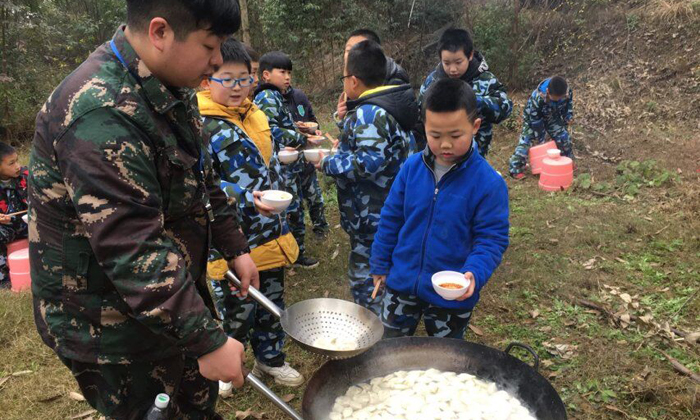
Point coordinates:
pixel 314 155
pixel 288 156
pixel 278 200
pixel 26 218
pixel 443 277
pixel 309 127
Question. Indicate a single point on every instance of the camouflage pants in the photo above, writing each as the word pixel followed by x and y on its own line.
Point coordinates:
pixel 557 130
pixel 292 181
pixel 483 138
pixel 126 392
pixel 312 194
pixel 402 313
pixel 361 283
pixel 244 319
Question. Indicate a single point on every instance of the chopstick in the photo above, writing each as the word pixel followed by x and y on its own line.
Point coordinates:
pixel 376 289
pixel 17 213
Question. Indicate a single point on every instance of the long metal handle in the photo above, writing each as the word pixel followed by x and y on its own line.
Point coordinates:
pixel 255 294
pixel 527 348
pixel 267 392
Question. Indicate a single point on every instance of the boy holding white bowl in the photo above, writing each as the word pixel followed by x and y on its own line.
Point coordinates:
pixel 240 143
pixel 447 210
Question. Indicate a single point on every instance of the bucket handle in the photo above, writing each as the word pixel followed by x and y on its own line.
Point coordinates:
pixel 536 364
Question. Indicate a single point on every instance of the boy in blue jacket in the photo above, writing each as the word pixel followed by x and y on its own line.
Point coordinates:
pixel 447 210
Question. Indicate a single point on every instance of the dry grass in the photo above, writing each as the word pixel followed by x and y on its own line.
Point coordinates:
pixel 672 11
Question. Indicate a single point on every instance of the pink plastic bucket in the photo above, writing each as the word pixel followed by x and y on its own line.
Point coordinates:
pixel 19 270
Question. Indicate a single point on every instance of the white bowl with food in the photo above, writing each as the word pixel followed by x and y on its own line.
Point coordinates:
pixel 314 155
pixel 288 156
pixel 309 127
pixel 278 200
pixel 450 284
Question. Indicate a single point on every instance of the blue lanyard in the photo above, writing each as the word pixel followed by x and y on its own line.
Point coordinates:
pixel 121 60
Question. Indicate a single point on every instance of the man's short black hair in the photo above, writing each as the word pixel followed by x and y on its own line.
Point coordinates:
pixel 254 55
pixel 455 39
pixel 234 52
pixel 367 34
pixel 558 86
pixel 450 95
pixel 367 62
pixel 221 17
pixel 275 60
pixel 6 150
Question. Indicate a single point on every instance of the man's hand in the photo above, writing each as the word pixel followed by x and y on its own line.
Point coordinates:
pixel 260 206
pixel 224 364
pixel 247 273
pixel 470 290
pixel 319 165
pixel 342 109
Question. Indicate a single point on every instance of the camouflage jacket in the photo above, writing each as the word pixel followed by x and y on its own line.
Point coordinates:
pixel 492 99
pixel 242 169
pixel 540 109
pixel 372 148
pixel 270 101
pixel 13 198
pixel 118 227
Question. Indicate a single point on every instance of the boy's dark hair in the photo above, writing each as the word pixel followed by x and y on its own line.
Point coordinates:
pixel 234 52
pixel 367 34
pixel 367 62
pixel 454 39
pixel 6 150
pixel 221 17
pixel 254 55
pixel 450 95
pixel 558 86
pixel 275 60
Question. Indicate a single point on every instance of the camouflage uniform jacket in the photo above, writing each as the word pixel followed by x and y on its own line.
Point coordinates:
pixel 118 229
pixel 284 134
pixel 13 198
pixel 540 109
pixel 242 169
pixel 373 146
pixel 492 99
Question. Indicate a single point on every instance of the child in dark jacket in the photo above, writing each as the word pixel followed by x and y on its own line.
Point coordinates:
pixel 447 210
pixel 13 199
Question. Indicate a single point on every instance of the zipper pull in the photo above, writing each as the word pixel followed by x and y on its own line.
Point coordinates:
pixel 436 193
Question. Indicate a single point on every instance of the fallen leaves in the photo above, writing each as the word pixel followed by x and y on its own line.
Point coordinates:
pixel 76 396
pixel 83 414
pixel 476 330
pixel 249 414
pixel 564 351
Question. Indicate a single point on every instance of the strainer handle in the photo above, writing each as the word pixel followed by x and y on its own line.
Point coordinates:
pixel 255 294
pixel 267 392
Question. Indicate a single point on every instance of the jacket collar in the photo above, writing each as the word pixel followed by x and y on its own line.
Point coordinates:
pixel 158 95
pixel 429 158
pixel 266 86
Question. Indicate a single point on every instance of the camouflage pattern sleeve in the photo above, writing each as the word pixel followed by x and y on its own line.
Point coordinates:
pixel 424 88
pixel 108 168
pixel 281 124
pixel 7 234
pixel 369 157
pixel 533 116
pixel 569 107
pixel 492 99
pixel 390 223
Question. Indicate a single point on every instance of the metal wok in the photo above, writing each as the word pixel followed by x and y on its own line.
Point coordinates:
pixel 418 353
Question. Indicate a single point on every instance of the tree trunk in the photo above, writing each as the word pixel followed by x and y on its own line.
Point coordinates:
pixel 514 42
pixel 245 24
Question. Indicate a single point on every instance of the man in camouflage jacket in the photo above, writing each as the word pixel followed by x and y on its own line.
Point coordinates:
pixel 123 203
pixel 491 97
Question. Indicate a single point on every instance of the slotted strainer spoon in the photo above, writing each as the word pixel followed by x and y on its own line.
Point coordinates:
pixel 307 321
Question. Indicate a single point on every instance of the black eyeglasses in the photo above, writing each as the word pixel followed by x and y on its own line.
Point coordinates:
pixel 341 78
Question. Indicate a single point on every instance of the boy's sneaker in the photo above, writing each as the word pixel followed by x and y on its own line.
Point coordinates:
pixel 306 262
pixel 284 375
pixel 519 176
pixel 225 389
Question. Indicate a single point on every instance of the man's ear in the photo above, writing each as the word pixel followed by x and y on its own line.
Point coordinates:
pixel 160 33
pixel 265 75
pixel 471 56
pixel 206 84
pixel 476 125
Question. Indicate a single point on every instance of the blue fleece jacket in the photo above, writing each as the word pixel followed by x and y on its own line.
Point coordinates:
pixel 460 224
